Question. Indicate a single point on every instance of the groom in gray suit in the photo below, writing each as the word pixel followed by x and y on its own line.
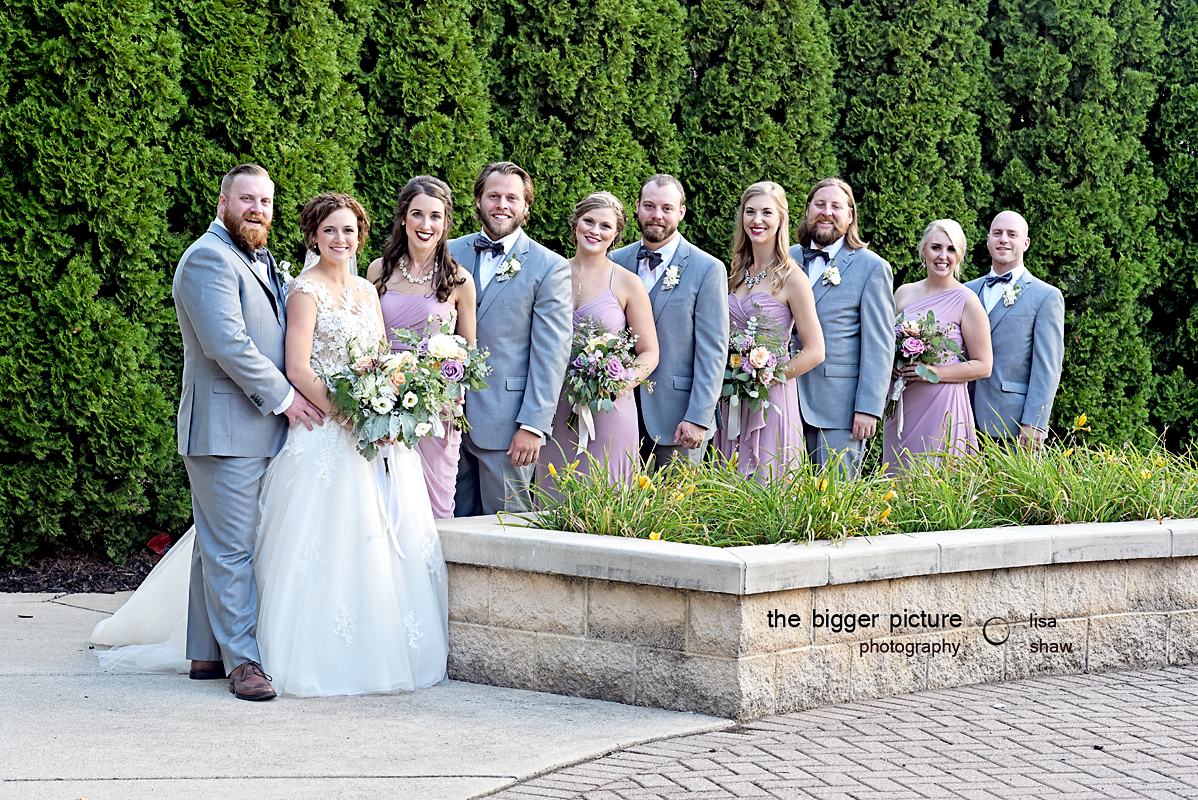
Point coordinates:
pixel 689 292
pixel 842 399
pixel 235 399
pixel 525 320
pixel 1027 327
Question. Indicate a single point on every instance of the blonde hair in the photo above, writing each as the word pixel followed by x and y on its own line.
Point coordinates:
pixel 596 200
pixel 952 229
pixel 742 247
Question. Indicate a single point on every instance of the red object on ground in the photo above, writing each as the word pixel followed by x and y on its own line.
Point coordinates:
pixel 159 543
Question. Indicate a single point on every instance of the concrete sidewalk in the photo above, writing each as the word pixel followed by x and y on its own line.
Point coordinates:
pixel 69 730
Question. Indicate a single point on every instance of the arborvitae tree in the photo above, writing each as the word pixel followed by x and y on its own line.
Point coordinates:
pixel 1072 87
pixel 910 77
pixel 427 106
pixel 274 84
pixel 90 89
pixel 1174 143
pixel 759 107
pixel 584 98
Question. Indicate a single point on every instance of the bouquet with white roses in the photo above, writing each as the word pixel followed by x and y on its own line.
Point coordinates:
pixel 602 367
pixel 458 363
pixel 388 397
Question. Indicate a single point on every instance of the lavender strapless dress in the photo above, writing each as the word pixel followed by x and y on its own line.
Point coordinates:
pixel 617 437
pixel 438 455
pixel 936 416
pixel 770 439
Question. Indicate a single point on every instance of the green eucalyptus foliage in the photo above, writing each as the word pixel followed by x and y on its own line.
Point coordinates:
pixel 86 423
pixel 583 98
pixel 427 107
pixel 759 106
pixel 910 78
pixel 1072 84
pixel 1174 142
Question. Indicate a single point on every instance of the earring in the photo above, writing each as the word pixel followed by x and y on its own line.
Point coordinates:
pixel 315 248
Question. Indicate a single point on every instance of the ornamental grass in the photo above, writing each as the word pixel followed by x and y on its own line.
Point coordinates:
pixel 713 504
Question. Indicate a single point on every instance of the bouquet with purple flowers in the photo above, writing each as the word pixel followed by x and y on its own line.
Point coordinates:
pixel 455 362
pixel 753 358
pixel 602 367
pixel 924 343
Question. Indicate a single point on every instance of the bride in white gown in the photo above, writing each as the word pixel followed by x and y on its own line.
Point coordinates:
pixel 351 600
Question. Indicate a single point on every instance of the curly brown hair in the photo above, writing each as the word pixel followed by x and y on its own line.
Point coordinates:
pixel 318 209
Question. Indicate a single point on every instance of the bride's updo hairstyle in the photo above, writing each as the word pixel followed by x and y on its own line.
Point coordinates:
pixel 317 210
pixel 445 270
pixel 593 202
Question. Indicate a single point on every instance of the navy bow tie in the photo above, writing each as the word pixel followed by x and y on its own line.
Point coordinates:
pixel 811 253
pixel 483 243
pixel 260 255
pixel 993 279
pixel 654 258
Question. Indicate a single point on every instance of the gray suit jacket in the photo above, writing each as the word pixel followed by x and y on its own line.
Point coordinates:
pixel 527 324
pixel 857 318
pixel 233 326
pixel 692 332
pixel 1029 347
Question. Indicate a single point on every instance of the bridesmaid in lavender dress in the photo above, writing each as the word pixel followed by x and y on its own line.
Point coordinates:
pixel 771 439
pixel 617 299
pixel 417 278
pixel 938 417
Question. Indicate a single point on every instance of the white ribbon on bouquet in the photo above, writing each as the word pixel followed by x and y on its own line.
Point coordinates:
pixel 586 426
pixel 733 418
pixel 896 394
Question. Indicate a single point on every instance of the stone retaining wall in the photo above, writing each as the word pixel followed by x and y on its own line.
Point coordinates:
pixel 689 628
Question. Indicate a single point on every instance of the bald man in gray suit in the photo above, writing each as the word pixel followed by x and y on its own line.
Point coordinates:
pixel 233 416
pixel 1027 329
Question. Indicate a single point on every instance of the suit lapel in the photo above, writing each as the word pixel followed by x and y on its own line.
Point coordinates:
pixel 659 296
pixel 477 257
pixel 523 243
pixel 821 286
pixel 1001 308
pixel 224 236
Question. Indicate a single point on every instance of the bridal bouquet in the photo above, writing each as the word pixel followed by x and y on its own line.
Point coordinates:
pixel 393 397
pixel 922 342
pixel 601 367
pixel 753 358
pixel 460 364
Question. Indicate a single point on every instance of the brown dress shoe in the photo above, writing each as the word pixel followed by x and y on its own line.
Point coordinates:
pixel 206 670
pixel 249 682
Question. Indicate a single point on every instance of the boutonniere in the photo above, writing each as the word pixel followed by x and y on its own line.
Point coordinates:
pixel 283 270
pixel 1011 294
pixel 507 269
pixel 671 278
pixel 831 274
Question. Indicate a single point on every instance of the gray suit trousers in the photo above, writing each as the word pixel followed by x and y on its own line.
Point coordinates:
pixel 835 446
pixel 222 610
pixel 488 482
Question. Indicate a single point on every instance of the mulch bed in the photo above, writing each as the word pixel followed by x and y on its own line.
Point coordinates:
pixel 68 571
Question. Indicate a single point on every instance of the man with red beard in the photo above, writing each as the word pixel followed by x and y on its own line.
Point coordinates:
pixel 842 399
pixel 229 298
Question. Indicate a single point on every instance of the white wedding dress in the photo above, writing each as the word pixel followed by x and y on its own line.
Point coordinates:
pixel 352 590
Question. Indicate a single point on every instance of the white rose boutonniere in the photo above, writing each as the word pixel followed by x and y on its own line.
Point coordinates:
pixel 283 270
pixel 831 274
pixel 1011 294
pixel 507 269
pixel 670 279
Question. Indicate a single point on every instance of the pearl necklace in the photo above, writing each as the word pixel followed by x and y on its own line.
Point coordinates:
pixel 403 270
pixel 753 280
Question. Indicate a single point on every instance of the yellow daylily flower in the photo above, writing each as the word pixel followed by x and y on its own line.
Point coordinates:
pixel 552 471
pixel 655 535
pixel 1068 452
pixel 822 485
pixel 884 517
pixel 1145 474
pixel 574 466
pixel 890 495
pixel 643 482
pixel 1079 424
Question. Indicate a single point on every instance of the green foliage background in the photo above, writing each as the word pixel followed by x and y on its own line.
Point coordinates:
pixel 117 119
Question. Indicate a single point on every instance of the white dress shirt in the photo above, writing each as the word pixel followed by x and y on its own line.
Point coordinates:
pixel 992 294
pixel 650 277
pixel 488 262
pixel 261 268
pixel 815 270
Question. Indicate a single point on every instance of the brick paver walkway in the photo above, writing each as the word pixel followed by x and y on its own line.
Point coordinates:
pixel 1121 734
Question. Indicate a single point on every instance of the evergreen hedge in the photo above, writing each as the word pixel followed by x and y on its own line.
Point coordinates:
pixel 119 117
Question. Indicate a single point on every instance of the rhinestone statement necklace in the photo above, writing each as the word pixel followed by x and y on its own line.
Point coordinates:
pixel 750 280
pixel 403 270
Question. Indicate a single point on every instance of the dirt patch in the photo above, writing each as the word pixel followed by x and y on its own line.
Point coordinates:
pixel 73 572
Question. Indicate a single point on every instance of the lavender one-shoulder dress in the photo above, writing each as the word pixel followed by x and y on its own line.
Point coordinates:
pixel 617 437
pixel 936 416
pixel 770 439
pixel 438 455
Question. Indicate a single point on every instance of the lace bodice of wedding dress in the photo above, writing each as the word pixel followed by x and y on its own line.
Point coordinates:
pixel 339 320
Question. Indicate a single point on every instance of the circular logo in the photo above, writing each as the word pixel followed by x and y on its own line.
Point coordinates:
pixel 992 637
